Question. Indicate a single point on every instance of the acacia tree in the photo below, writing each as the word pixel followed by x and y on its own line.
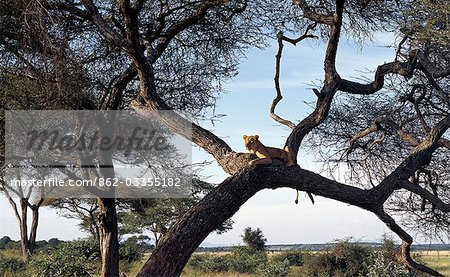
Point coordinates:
pixel 332 17
pixel 59 46
pixel 254 239
pixel 158 215
pixel 147 33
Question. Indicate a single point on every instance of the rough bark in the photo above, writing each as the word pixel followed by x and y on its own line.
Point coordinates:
pixel 175 248
pixel 109 237
pixel 25 243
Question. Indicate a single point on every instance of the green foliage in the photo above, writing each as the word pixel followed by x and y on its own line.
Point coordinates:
pixel 382 266
pixel 131 250
pixel 54 242
pixel 210 262
pixel 273 269
pixel 10 266
pixel 385 261
pixel 4 241
pixel 246 260
pixel 295 258
pixel 344 259
pixel 242 260
pixel 254 239
pixel 76 258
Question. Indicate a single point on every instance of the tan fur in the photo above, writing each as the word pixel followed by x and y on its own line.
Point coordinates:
pixel 266 154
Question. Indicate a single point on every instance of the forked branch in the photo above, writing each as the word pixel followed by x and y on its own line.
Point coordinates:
pixel 279 96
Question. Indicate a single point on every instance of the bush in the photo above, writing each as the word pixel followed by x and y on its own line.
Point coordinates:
pixel 246 260
pixel 77 258
pixel 210 262
pixel 292 258
pixel 345 259
pixel 381 266
pixel 273 269
pixel 11 266
pixel 130 253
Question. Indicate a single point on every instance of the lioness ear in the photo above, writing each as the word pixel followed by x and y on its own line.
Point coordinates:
pixel 257 137
pixel 244 137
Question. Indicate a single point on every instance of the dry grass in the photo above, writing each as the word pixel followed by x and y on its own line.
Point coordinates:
pixel 187 272
pixel 438 260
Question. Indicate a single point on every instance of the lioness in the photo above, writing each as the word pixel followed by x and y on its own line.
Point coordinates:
pixel 266 154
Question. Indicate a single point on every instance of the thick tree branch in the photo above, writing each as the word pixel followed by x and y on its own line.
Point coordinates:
pixel 416 60
pixel 229 160
pixel 400 68
pixel 114 94
pixel 309 13
pixel 108 33
pixel 326 95
pixel 420 156
pixel 406 244
pixel 173 252
pixel 331 75
pixel 149 101
pixel 436 201
pixel 444 143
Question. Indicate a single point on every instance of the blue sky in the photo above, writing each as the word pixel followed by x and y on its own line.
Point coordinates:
pixel 246 105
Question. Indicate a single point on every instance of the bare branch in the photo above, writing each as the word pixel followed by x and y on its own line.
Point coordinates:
pixel 277 85
pixel 312 15
pixel 435 200
pixel 108 33
pixel 279 96
pixel 400 68
pixel 420 156
pixel 181 25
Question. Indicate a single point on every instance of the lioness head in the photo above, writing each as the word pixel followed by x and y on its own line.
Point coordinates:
pixel 251 141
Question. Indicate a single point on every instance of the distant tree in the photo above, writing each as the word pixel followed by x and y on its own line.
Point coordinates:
pixel 54 242
pixel 254 239
pixel 4 241
pixel 85 210
pixel 137 216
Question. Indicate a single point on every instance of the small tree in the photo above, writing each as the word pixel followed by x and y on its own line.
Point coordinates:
pixel 254 239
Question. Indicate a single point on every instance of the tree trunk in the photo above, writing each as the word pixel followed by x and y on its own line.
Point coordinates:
pixel 24 230
pixel 109 237
pixel 33 231
pixel 177 245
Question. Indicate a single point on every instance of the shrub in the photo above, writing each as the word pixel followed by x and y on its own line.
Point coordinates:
pixel 11 266
pixel 292 258
pixel 273 269
pixel 130 253
pixel 210 262
pixel 345 259
pixel 246 260
pixel 77 258
pixel 384 267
